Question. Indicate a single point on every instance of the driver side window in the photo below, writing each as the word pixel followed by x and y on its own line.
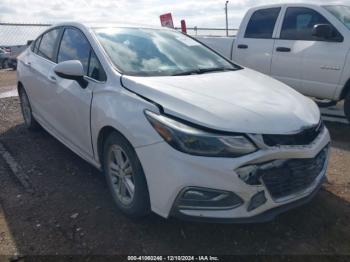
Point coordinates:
pixel 299 22
pixel 74 46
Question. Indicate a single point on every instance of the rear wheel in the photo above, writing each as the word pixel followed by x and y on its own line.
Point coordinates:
pixel 347 107
pixel 29 120
pixel 125 177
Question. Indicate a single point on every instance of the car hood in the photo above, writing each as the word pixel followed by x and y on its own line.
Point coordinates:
pixel 236 101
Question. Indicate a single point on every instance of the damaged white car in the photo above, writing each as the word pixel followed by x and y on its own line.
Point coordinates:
pixel 176 128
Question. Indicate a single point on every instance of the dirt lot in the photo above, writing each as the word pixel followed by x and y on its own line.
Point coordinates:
pixel 7 79
pixel 71 212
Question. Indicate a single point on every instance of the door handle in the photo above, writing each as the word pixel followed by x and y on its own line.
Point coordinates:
pixel 283 49
pixel 52 78
pixel 29 64
pixel 242 46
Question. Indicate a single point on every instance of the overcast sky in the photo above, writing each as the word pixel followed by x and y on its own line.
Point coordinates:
pixel 201 13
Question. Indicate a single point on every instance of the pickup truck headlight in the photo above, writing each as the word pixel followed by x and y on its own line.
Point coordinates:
pixel 194 141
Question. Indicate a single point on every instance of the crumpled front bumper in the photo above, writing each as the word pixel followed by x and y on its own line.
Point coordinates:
pixel 169 172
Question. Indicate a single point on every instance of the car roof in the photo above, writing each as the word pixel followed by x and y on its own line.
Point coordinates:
pixel 306 3
pixel 90 25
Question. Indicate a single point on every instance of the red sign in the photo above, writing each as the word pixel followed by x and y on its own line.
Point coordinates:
pixel 167 20
pixel 183 27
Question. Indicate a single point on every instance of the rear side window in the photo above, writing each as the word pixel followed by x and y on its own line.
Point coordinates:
pixel 74 46
pixel 47 44
pixel 299 23
pixel 262 23
pixel 36 45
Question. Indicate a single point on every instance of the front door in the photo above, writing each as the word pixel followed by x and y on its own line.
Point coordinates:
pixel 309 64
pixel 72 103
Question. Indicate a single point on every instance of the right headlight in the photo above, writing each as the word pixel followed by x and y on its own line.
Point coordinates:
pixel 194 141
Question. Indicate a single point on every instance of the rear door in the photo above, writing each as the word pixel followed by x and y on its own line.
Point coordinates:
pixel 71 103
pixel 303 61
pixel 40 62
pixel 253 47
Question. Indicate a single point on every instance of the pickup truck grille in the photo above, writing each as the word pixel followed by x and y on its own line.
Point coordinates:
pixel 294 175
pixel 303 138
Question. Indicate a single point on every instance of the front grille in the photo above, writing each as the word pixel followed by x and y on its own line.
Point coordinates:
pixel 293 175
pixel 303 138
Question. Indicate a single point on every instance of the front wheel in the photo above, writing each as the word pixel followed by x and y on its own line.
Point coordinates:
pixel 125 177
pixel 347 107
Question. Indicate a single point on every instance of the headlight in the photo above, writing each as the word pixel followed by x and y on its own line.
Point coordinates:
pixel 193 141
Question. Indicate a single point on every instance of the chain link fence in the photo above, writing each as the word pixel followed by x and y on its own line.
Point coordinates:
pixel 214 32
pixel 14 38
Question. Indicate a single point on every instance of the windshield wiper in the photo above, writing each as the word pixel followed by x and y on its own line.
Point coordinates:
pixel 204 70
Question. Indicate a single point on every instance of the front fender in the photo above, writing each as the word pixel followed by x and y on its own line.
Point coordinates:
pixel 122 110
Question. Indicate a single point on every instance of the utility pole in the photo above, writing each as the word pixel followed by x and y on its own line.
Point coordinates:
pixel 226 18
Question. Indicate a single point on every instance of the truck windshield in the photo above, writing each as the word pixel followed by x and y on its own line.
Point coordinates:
pixel 341 12
pixel 158 52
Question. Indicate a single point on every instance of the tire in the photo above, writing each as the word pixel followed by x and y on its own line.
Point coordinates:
pixel 347 106
pixel 325 103
pixel 14 65
pixel 123 172
pixel 5 63
pixel 29 120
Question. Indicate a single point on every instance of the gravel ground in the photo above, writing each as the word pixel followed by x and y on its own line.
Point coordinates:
pixel 71 211
pixel 7 79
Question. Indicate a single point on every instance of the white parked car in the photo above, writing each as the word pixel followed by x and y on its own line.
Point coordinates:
pixel 306 46
pixel 175 127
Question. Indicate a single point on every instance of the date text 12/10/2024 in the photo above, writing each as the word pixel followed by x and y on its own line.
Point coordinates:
pixel 173 258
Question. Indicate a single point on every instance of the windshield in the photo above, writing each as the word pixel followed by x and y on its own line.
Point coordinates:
pixel 341 12
pixel 158 52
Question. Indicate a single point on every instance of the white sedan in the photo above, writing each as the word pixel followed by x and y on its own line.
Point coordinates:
pixel 176 128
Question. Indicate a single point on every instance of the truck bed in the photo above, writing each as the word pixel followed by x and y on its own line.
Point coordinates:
pixel 223 45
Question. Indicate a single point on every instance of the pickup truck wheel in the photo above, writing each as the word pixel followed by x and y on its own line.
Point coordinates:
pixel 26 108
pixel 347 107
pixel 125 177
pixel 325 102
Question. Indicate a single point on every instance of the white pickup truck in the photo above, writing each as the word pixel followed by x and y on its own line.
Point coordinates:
pixel 305 46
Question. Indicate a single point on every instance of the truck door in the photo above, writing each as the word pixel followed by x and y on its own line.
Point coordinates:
pixel 307 63
pixel 254 45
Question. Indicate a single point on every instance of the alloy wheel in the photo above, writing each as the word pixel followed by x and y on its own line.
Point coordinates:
pixel 121 175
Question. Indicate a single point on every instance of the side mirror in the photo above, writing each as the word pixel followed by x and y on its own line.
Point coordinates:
pixel 73 70
pixel 324 31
